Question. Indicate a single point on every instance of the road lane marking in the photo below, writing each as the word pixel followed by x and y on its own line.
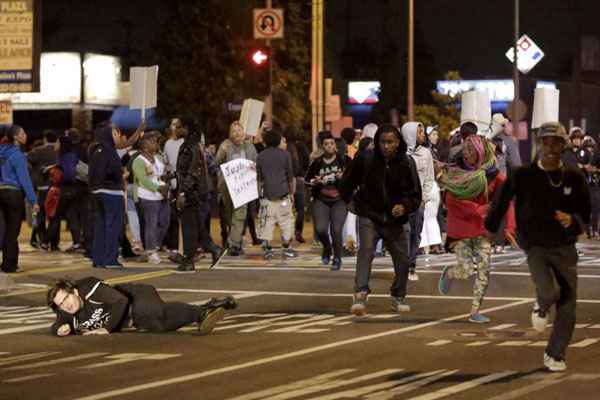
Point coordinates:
pixel 26 357
pixel 429 379
pixel 585 343
pixel 501 327
pixel 56 361
pixel 440 342
pixel 462 387
pixel 41 271
pixel 27 328
pixel 479 343
pixel 514 343
pixel 27 378
pixel 286 356
pixel 543 380
pixel 125 358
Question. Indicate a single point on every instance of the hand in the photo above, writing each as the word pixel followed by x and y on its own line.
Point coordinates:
pixel 398 210
pixel 164 191
pixel 180 203
pixel 63 330
pixel 142 126
pixel 100 331
pixel 36 208
pixel 563 218
pixel 339 174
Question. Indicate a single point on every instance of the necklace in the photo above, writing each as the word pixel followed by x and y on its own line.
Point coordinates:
pixel 560 182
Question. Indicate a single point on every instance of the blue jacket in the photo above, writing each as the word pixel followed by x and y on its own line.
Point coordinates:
pixel 14 172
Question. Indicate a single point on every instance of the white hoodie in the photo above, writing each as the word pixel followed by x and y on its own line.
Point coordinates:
pixel 423 159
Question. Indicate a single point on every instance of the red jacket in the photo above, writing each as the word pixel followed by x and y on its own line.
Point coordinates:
pixel 465 217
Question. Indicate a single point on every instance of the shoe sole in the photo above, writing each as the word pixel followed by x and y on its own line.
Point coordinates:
pixel 210 321
pixel 358 310
pixel 479 322
pixel 185 272
pixel 403 309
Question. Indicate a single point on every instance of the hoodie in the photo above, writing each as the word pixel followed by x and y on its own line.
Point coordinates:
pixel 192 171
pixel 105 170
pixel 14 172
pixel 382 184
pixel 422 156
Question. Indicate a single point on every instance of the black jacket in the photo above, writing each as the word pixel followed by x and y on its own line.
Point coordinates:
pixel 382 184
pixel 39 158
pixel 536 202
pixel 192 170
pixel 103 307
pixel 105 170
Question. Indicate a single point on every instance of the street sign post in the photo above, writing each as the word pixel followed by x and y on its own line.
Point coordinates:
pixel 528 54
pixel 268 23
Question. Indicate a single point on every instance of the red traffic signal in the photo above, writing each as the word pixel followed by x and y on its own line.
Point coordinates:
pixel 259 57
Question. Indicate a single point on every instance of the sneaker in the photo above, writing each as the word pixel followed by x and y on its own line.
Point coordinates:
pixel 445 282
pixel 217 256
pixel 75 248
pixel 539 319
pixel 269 254
pixel 176 258
pixel 399 304
pixel 288 252
pixel 114 266
pixel 300 239
pixel 208 320
pixel 337 264
pixel 479 318
pixel 154 258
pixel 236 252
pixel 34 244
pixel 412 275
pixel 554 364
pixel 227 302
pixel 326 257
pixel 185 269
pixel 499 250
pixel 359 304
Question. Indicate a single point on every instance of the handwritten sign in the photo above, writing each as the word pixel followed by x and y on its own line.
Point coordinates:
pixel 240 178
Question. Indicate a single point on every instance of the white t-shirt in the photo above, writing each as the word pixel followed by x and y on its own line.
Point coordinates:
pixel 171 152
pixel 158 169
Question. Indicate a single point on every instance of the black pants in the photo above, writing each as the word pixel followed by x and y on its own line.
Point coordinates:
pixel 595 194
pixel 416 226
pixel 330 217
pixel 548 267
pixel 194 231
pixel 299 205
pixel 68 208
pixel 250 220
pixel 396 240
pixel 12 210
pixel 224 221
pixel 39 233
pixel 149 312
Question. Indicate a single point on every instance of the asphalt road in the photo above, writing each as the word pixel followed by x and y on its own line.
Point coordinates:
pixel 292 336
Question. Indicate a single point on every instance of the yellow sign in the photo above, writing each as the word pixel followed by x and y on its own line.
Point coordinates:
pixel 6 115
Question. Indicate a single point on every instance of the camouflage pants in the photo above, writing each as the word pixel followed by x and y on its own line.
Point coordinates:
pixel 473 258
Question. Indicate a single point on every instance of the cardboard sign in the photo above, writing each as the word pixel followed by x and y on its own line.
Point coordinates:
pixel 476 108
pixel 6 113
pixel 144 82
pixel 251 116
pixel 241 180
pixel 545 106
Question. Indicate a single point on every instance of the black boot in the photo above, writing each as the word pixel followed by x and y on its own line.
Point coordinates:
pixel 186 267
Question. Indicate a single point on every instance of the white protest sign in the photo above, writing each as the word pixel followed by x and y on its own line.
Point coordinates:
pixel 251 115
pixel 528 54
pixel 476 108
pixel 144 81
pixel 545 106
pixel 241 180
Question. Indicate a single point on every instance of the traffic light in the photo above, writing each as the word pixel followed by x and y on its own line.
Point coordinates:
pixel 258 75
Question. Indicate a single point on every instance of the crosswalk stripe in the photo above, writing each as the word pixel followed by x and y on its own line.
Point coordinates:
pixel 502 326
pixel 440 342
pixel 461 387
pixel 585 343
pixel 540 343
pixel 25 328
pixel 514 343
pixel 27 378
pixel 26 357
pixel 57 361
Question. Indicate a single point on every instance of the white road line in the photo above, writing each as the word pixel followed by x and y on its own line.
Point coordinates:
pixel 390 394
pixel 543 380
pixel 479 343
pixel 440 342
pixel 501 327
pixel 286 356
pixel 585 343
pixel 579 326
pixel 515 343
pixel 27 378
pixel 461 387
pixel 25 328
pixel 129 357
pixel 57 361
pixel 597 326
pixel 26 357
pixel 539 343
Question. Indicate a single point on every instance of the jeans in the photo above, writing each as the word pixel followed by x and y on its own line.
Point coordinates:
pixel 324 215
pixel 416 226
pixel 548 267
pixel 108 227
pixel 133 218
pixel 156 222
pixel 396 241
pixel 12 211
pixel 299 205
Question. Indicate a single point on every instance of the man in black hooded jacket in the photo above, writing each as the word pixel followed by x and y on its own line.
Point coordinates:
pixel 388 192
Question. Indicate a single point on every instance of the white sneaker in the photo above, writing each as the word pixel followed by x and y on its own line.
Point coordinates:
pixel 412 276
pixel 154 258
pixel 359 304
pixel 399 304
pixel 539 320
pixel 553 364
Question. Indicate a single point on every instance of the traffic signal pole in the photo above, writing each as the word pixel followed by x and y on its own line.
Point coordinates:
pixel 269 99
pixel 515 114
pixel 317 90
pixel 410 96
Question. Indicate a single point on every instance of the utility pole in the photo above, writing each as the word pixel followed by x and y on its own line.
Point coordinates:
pixel 317 94
pixel 410 97
pixel 269 100
pixel 515 109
